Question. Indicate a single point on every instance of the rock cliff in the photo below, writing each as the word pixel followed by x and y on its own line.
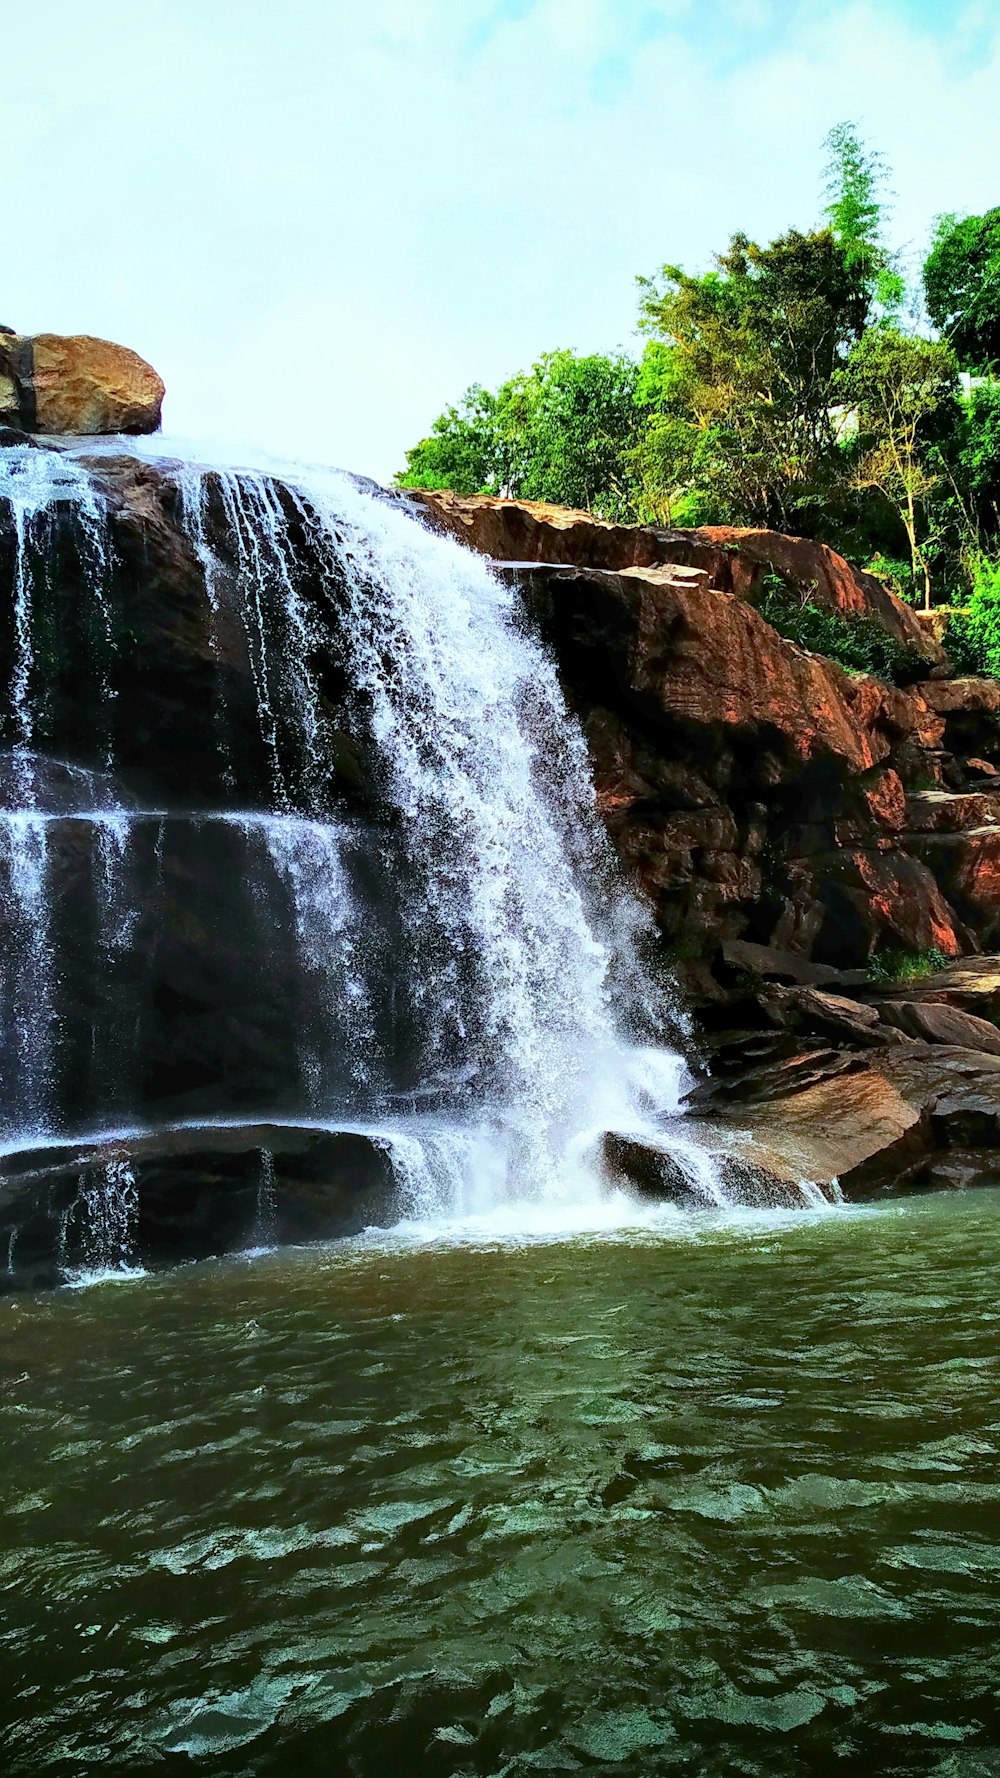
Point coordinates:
pixel 800 831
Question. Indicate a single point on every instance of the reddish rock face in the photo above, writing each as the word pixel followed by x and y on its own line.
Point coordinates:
pixel 734 560
pixel 815 569
pixel 750 786
pixel 758 793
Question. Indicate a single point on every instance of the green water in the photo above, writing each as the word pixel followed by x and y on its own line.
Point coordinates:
pixel 720 1500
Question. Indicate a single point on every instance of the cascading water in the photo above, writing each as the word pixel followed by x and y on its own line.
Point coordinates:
pixel 466 978
pixel 34 483
pixel 512 952
pixel 110 1204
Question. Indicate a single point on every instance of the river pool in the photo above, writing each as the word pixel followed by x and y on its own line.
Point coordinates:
pixel 713 1496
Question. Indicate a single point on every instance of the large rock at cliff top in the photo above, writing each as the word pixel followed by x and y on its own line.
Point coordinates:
pixel 72 383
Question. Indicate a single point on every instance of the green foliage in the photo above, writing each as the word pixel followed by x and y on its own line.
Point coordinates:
pixel 898 386
pixel 973 636
pixel 463 450
pixel 906 966
pixel 857 643
pixel 564 432
pixel 895 573
pixel 748 356
pixel 978 466
pixel 856 180
pixel 962 287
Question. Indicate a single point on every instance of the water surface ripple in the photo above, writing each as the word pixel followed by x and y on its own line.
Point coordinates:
pixel 720 1499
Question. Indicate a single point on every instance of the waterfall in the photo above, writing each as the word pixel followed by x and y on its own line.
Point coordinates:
pixel 307 856
pixel 466 975
pixel 513 918
pixel 33 482
pixel 27 1027
pixel 265 1222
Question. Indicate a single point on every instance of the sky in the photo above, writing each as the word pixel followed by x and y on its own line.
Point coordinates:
pixel 322 219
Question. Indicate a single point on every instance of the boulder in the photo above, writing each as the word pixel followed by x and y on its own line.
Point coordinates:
pixel 970 983
pixel 657 1174
pixel 831 1016
pixel 199 1193
pixel 937 1023
pixel 969 712
pixel 647 1171
pixel 883 1124
pixel 774 965
pixel 58 383
pixel 948 811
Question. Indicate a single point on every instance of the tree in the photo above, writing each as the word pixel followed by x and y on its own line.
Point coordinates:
pixel 563 432
pixel 979 458
pixel 899 386
pixel 962 286
pixel 856 180
pixel 462 449
pixel 752 352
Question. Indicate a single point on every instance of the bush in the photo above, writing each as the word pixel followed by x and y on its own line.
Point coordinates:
pixel 858 643
pixel 896 574
pixel 906 966
pixel 973 636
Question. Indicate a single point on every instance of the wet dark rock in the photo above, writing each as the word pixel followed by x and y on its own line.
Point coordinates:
pixel 658 1175
pixel 648 1172
pixel 774 965
pixel 202 1191
pixel 830 1016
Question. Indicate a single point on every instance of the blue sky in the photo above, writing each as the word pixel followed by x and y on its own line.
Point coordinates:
pixel 322 220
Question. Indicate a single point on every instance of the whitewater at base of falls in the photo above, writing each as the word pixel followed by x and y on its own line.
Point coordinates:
pixel 529 1008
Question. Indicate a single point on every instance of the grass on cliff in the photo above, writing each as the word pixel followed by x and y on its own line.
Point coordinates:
pixel 892 967
pixel 858 643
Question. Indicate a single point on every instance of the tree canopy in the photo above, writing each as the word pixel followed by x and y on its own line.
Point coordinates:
pixel 857 210
pixel 563 432
pixel 962 286
pixel 897 385
pixel 787 385
pixel 753 347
